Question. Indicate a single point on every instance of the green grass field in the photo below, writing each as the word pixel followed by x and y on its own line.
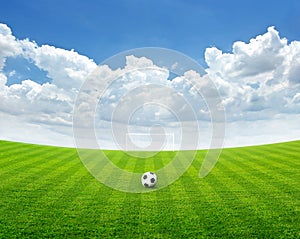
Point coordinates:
pixel 253 192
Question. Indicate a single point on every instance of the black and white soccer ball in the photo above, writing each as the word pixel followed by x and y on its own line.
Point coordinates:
pixel 149 179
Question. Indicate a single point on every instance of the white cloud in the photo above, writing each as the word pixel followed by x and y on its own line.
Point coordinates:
pixel 9 47
pixel 67 69
pixel 262 54
pixel 281 128
pixel 49 103
pixel 258 79
pixel 20 129
pixel 259 83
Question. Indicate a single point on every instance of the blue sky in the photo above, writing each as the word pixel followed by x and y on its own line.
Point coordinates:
pixel 100 29
pixel 249 49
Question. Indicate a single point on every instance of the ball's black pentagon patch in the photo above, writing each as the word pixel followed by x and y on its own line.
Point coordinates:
pixel 152 180
pixel 151 173
pixel 146 185
pixel 145 176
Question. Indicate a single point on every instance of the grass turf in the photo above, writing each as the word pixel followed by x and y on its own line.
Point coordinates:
pixel 253 192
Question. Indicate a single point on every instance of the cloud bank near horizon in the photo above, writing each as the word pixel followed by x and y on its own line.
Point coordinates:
pixel 259 83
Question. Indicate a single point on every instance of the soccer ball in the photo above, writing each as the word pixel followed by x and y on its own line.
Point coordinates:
pixel 149 179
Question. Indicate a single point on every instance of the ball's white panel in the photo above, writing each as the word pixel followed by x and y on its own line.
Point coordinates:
pixel 149 179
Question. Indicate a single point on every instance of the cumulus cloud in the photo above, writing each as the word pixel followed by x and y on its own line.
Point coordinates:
pixel 49 103
pixel 259 82
pixel 258 79
pixel 67 69
pixel 262 54
pixel 8 44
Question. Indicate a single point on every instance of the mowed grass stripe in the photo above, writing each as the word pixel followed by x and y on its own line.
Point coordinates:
pixel 50 197
pixel 199 158
pixel 88 204
pixel 172 207
pixel 59 171
pixel 261 170
pixel 233 182
pixel 9 148
pixel 99 166
pixel 160 204
pixel 162 207
pixel 255 175
pixel 273 153
pixel 13 156
pixel 28 160
pixel 266 164
pixel 292 145
pixel 39 182
pixel 70 181
pixel 205 202
pixel 147 161
pixel 128 205
pixel 245 196
pixel 265 191
pixel 286 150
pixel 39 168
pixel 115 175
pixel 268 207
pixel 184 212
pixel 33 186
pixel 245 209
pixel 244 178
pixel 44 195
